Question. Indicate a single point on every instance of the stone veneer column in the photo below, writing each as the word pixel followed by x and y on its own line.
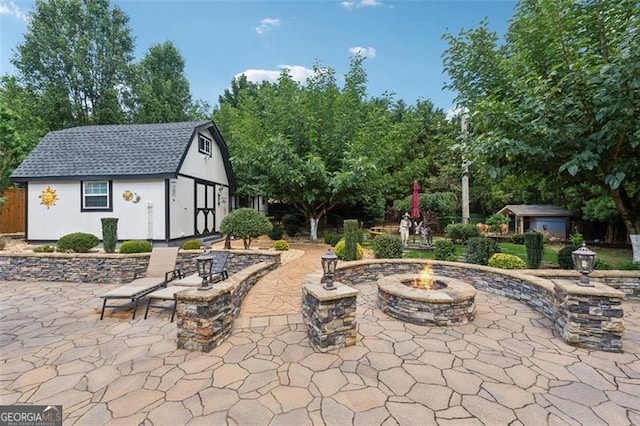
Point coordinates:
pixel 330 315
pixel 589 317
pixel 204 317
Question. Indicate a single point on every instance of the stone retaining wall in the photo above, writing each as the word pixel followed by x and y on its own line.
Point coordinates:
pixel 205 317
pixel 627 282
pixel 587 317
pixel 105 268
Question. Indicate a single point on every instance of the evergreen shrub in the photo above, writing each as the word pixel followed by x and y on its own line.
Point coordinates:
pixel 565 261
pixel 340 250
pixel 445 250
pixel 191 245
pixel 387 246
pixel 480 249
pixel 459 233
pixel 281 245
pixel 629 266
pixel 517 238
pixel 135 246
pixel 328 237
pixel 79 242
pixel 506 261
pixel 534 243
pixel 109 233
pixel 602 265
pixel 351 238
pixel 276 232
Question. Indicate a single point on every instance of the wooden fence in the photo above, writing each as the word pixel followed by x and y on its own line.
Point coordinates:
pixel 12 212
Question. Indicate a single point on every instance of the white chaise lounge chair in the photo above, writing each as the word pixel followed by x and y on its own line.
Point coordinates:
pixel 160 271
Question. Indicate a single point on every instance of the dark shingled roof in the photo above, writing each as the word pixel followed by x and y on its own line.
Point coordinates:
pixel 535 210
pixel 115 151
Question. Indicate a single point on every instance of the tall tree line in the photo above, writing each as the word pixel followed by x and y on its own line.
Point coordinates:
pixel 76 67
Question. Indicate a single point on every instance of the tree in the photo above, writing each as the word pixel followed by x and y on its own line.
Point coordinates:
pixel 558 102
pixel 161 89
pixel 302 144
pixel 247 224
pixel 20 127
pixel 76 56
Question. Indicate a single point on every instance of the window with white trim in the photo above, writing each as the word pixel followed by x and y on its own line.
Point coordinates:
pixel 96 195
pixel 204 145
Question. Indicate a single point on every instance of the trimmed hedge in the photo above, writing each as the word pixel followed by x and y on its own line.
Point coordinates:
pixel 480 249
pixel 387 246
pixel 281 245
pixel 506 261
pixel 445 250
pixel 340 250
pixel 191 245
pixel 79 242
pixel 136 246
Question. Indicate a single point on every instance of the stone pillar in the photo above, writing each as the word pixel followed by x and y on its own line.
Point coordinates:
pixel 205 318
pixel 589 317
pixel 330 315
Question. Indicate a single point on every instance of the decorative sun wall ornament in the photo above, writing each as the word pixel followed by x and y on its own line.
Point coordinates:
pixel 48 197
pixel 127 195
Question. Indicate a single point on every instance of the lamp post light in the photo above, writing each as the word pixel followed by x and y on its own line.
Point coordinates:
pixel 204 263
pixel 584 261
pixel 329 263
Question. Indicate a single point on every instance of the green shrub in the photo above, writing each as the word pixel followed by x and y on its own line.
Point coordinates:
pixel 328 237
pixel 336 239
pixel 445 250
pixel 340 250
pixel 276 232
pixel 387 246
pixel 534 243
pixel 496 221
pixel 291 218
pixel 480 249
pixel 459 233
pixel 3 243
pixel 565 261
pixel 191 245
pixel 44 249
pixel 78 242
pixel 292 229
pixel 629 266
pixel 576 239
pixel 602 265
pixel 351 237
pixel 506 261
pixel 109 233
pixel 517 238
pixel 136 246
pixel 247 224
pixel 281 245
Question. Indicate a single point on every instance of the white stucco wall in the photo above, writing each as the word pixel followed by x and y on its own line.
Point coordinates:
pixel 142 220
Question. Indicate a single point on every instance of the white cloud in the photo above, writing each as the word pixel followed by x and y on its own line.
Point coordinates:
pixel 297 72
pixel 12 9
pixel 456 111
pixel 359 4
pixel 267 24
pixel 365 52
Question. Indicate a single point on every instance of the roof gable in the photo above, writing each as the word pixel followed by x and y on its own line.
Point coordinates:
pixel 136 150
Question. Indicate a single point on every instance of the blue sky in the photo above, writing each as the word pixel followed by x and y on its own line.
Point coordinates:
pixel 221 39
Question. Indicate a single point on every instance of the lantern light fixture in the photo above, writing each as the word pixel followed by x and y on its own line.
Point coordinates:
pixel 329 263
pixel 584 261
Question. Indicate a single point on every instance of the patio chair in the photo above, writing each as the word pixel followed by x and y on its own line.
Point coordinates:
pixel 161 259
pixel 218 273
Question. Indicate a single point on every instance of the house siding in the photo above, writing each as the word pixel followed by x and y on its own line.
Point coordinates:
pixel 137 220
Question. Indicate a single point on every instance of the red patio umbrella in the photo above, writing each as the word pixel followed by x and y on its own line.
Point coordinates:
pixel 415 200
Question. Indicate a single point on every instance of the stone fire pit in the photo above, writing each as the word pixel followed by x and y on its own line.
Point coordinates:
pixel 453 304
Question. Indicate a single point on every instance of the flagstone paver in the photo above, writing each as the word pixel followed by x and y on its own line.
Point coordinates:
pixel 507 367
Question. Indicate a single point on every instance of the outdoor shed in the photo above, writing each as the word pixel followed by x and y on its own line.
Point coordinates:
pixel 548 219
pixel 164 182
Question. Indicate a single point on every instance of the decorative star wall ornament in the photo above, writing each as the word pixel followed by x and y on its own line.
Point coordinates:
pixel 48 197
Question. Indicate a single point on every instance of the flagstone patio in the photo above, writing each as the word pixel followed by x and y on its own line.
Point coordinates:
pixel 506 367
